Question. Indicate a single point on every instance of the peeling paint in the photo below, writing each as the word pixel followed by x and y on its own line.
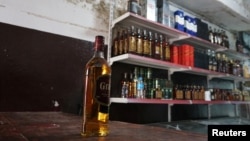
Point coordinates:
pixel 101 8
pixel 64 22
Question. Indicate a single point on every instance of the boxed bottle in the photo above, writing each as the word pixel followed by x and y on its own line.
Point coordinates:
pixel 148 9
pixel 163 12
pixel 179 20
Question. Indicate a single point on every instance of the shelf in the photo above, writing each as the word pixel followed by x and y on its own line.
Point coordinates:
pixel 172 67
pixel 170 101
pixel 148 62
pixel 174 35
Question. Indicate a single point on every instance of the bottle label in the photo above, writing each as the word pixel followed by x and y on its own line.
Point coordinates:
pixel 102 90
pixel 132 44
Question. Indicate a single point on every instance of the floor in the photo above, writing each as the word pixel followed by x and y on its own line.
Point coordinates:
pixel 200 126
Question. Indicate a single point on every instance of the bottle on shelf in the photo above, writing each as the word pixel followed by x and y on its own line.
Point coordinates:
pixel 96 93
pixel 167 50
pixel 150 44
pixel 140 88
pixel 219 62
pixel 139 42
pixel 125 85
pixel 132 40
pixel 211 34
pixel 187 93
pixel 115 47
pixel 132 86
pixel 145 44
pixel 156 47
pixel 161 47
pixel 121 43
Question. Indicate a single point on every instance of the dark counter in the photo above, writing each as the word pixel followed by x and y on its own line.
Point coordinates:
pixel 59 126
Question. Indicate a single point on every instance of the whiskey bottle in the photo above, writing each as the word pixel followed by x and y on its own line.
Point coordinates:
pixel 211 35
pixel 124 85
pixel 132 40
pixel 156 47
pixel 145 43
pixel 96 93
pixel 121 43
pixel 139 42
pixel 150 44
pixel 115 48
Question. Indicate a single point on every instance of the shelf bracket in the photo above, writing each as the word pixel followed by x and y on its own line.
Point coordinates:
pixel 172 70
pixel 179 38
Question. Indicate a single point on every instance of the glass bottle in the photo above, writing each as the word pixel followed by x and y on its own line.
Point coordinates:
pixel 162 47
pixel 156 47
pixel 115 48
pixel 139 42
pixel 132 86
pixel 167 50
pixel 121 43
pixel 126 41
pixel 145 43
pixel 150 44
pixel 96 93
pixel 214 68
pixel 124 85
pixel 132 40
pixel 211 35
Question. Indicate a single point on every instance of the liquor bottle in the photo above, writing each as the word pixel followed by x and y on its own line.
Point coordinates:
pixel 211 35
pixel 145 43
pixel 219 62
pixel 187 92
pixel 139 42
pixel 167 50
pixel 124 85
pixel 121 43
pixel 126 41
pixel 156 47
pixel 140 88
pixel 115 48
pixel 150 44
pixel 214 68
pixel 132 40
pixel 96 93
pixel 131 86
pixel 162 47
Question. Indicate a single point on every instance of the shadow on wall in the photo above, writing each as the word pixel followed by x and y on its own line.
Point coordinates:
pixel 39 68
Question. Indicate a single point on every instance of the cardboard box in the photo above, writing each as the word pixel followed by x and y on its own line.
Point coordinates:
pixel 148 9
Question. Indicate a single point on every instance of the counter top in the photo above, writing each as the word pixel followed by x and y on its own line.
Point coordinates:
pixel 59 126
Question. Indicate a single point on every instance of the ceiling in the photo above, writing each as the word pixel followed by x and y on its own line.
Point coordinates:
pixel 219 12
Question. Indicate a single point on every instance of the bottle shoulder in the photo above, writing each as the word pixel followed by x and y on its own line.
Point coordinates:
pixel 98 62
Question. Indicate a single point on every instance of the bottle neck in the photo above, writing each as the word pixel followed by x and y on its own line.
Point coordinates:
pixel 99 53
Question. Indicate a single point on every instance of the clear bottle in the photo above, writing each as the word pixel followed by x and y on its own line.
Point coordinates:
pixel 96 93
pixel 125 85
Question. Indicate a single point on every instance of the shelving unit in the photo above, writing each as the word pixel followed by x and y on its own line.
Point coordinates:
pixel 174 36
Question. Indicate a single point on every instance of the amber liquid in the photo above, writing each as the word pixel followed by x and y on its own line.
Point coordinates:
pixel 96 112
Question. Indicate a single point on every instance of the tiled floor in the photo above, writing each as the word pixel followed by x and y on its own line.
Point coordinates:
pixel 200 126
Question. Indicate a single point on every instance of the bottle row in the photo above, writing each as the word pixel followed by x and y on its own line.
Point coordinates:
pixel 218 37
pixel 154 45
pixel 142 42
pixel 140 84
pixel 221 63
